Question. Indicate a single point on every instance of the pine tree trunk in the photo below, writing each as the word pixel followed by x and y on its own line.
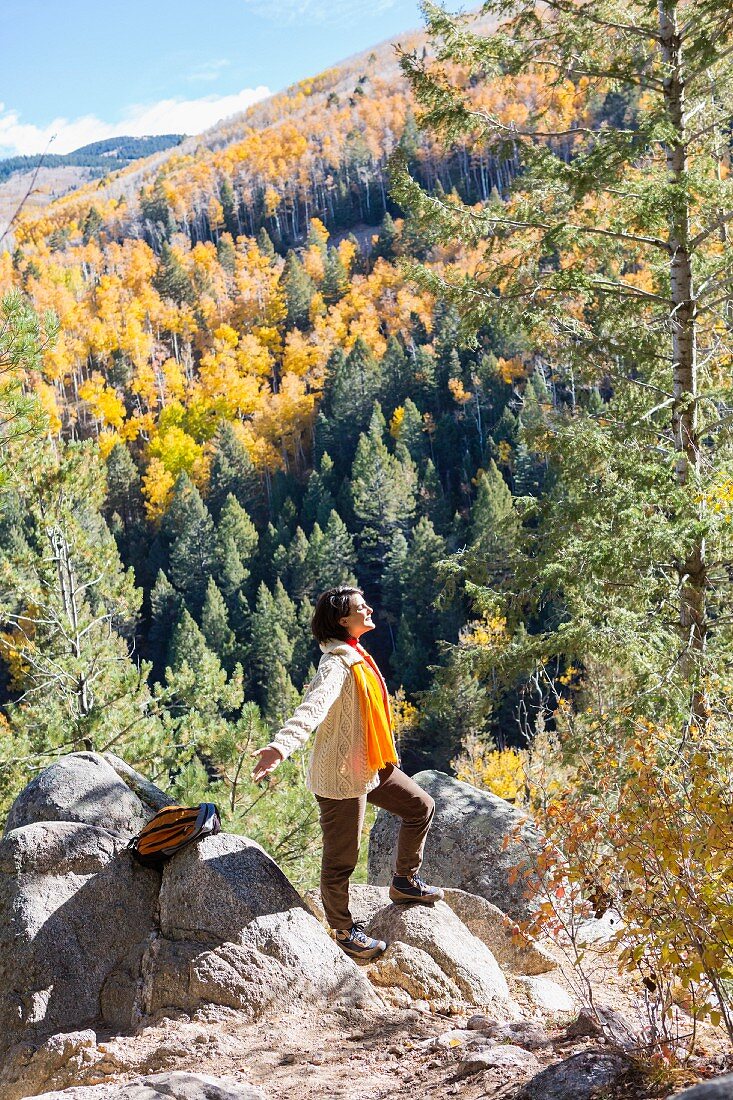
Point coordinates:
pixel 683 325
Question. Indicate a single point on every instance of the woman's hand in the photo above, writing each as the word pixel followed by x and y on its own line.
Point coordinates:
pixel 269 760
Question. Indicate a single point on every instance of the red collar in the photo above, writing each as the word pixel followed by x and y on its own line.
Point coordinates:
pixel 352 642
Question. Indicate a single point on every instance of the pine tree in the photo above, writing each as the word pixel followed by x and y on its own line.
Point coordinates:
pixel 396 375
pixel 331 555
pixel 265 245
pixel 124 508
pixel 352 385
pixel 305 647
pixel 284 609
pixel 527 473
pixel 215 626
pixel 592 204
pixel 507 428
pixel 432 501
pixel 190 531
pixel 446 340
pixel 424 376
pixel 299 290
pixel 420 623
pixel 166 605
pixel 92 225
pixel 409 143
pixel 188 645
pixel 69 611
pixel 228 201
pixel 300 580
pixel 156 213
pixel 382 493
pixel 233 472
pixel 198 693
pixel 412 431
pixel 226 253
pixel 237 542
pixel 335 278
pixel 274 632
pixel 171 280
pixel 318 500
pixel 385 243
pixel 23 336
pixel 393 582
pixel 494 526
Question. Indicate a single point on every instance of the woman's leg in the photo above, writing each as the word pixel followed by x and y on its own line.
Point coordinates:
pixel 341 822
pixel 401 796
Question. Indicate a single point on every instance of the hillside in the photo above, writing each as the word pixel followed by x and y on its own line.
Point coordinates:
pixel 106 155
pixel 31 183
pixel 239 341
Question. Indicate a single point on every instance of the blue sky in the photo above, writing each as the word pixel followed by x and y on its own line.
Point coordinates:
pixel 84 70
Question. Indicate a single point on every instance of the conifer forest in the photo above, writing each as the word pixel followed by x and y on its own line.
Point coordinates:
pixel 452 322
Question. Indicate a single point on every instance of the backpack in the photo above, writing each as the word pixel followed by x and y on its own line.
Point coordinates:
pixel 173 828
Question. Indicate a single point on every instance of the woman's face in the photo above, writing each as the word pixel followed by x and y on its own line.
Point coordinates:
pixel 359 619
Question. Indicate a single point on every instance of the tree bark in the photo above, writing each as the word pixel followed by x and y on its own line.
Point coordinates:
pixel 692 567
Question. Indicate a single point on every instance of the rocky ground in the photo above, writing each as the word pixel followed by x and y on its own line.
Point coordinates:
pixel 341 1054
pixel 217 981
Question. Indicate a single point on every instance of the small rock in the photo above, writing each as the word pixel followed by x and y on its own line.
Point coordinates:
pixel 581 1077
pixel 167 1086
pixel 543 994
pixel 421 1005
pixel 410 1015
pixel 450 1039
pixel 525 1033
pixel 719 1089
pixel 397 997
pixel 599 929
pixel 605 1021
pixel 585 1026
pixel 63 1060
pixel 504 1056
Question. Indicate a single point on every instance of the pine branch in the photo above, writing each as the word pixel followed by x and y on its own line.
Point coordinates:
pixel 709 229
pixel 577 11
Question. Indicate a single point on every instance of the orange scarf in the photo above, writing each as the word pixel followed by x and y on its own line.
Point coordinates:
pixel 374 706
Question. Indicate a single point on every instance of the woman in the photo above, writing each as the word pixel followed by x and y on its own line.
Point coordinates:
pixel 353 762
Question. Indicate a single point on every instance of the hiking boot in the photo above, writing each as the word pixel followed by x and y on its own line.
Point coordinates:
pixel 355 942
pixel 412 888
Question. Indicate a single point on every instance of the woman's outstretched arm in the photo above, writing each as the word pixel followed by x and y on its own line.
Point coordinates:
pixel 322 693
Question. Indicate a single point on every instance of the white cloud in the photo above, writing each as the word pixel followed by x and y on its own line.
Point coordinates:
pixel 318 11
pixel 209 70
pixel 168 116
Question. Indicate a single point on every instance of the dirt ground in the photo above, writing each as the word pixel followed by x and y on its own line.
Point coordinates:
pixel 348 1053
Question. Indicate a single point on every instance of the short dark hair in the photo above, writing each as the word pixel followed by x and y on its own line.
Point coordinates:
pixel 332 605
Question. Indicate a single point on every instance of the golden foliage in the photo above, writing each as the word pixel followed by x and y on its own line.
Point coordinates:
pixel 500 771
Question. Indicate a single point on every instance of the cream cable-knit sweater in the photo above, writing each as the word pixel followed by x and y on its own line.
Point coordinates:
pixel 338 765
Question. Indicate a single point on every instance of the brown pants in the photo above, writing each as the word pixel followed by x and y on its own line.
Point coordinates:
pixel 341 823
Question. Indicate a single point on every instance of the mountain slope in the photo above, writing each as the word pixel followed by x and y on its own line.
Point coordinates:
pixel 106 155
